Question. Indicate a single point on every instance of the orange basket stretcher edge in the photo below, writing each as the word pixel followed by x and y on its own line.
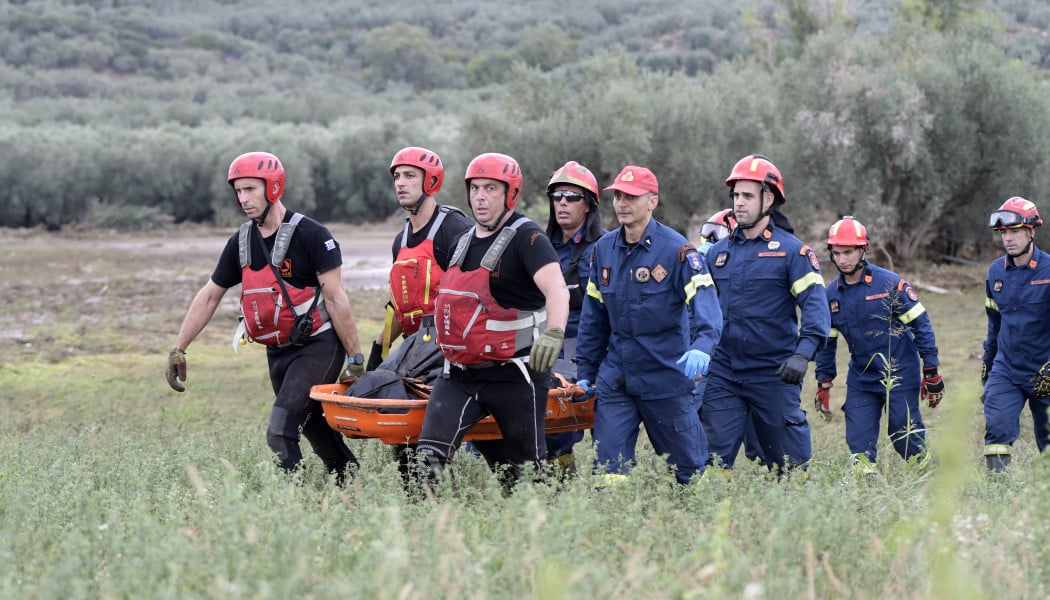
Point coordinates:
pixel 399 421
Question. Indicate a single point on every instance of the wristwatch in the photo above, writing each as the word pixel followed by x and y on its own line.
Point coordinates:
pixel 357 359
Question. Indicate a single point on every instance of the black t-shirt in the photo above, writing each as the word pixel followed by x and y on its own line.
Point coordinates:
pixel 454 224
pixel 311 251
pixel 511 282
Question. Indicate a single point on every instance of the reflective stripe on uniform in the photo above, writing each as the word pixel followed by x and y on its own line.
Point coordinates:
pixel 913 313
pixel 833 333
pixel 996 449
pixel 700 280
pixel 592 291
pixel 805 282
pixel 990 303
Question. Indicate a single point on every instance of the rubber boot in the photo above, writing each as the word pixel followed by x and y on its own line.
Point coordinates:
pixel 997 463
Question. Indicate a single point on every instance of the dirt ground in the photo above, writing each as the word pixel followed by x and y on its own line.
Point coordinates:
pixel 99 291
pixel 77 292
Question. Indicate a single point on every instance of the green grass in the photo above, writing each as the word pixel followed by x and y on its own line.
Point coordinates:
pixel 113 486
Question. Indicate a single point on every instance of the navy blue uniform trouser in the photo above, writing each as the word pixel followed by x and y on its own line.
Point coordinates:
pixel 672 425
pixel 293 371
pixel 773 407
pixel 903 421
pixel 1003 403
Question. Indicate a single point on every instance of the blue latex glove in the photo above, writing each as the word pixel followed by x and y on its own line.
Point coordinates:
pixel 588 389
pixel 704 248
pixel 696 363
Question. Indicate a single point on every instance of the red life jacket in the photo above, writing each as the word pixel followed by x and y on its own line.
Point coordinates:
pixel 472 328
pixel 415 276
pixel 267 317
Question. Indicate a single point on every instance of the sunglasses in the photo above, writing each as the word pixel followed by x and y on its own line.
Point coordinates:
pixel 570 197
pixel 1008 218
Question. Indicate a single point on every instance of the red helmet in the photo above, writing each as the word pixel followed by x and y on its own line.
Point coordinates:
pixel 427 160
pixel 755 167
pixel 573 173
pixel 847 232
pixel 719 226
pixel 500 167
pixel 260 165
pixel 1015 212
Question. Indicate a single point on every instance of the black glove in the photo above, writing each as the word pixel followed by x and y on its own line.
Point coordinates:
pixel 1040 382
pixel 794 369
pixel 375 357
pixel 986 368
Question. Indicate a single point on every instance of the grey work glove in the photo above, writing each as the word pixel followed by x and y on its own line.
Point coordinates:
pixel 176 369
pixel 546 348
pixel 794 369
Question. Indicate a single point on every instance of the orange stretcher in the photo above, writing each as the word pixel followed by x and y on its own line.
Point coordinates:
pixel 399 421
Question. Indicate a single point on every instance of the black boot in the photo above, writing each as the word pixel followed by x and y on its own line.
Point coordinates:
pixel 997 463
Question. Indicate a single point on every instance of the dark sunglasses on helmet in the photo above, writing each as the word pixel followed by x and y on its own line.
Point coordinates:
pixel 1007 218
pixel 571 197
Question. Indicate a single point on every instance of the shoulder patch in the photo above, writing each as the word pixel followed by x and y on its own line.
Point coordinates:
pixel 812 256
pixel 693 258
pixel 910 292
pixel 684 250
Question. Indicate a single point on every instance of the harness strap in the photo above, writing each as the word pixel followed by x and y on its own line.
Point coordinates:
pixel 280 245
pixel 492 256
pixel 533 319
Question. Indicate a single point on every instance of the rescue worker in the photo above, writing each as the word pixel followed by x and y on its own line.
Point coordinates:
pixel 574 224
pixel 765 278
pixel 1016 367
pixel 718 227
pixel 888 330
pixel 421 250
pixel 281 259
pixel 501 314
pixel 649 324
pixel 421 253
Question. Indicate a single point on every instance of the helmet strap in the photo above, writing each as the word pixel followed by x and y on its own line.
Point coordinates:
pixel 1027 249
pixel 265 213
pixel 499 221
pixel 765 213
pixel 861 264
pixel 415 209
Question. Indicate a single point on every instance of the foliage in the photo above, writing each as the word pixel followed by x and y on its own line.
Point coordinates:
pixel 109 475
pixel 915 116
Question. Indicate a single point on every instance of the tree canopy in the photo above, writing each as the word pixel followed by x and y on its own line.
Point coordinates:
pixel 916 116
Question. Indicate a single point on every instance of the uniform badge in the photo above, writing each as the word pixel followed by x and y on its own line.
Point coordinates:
pixel 286 268
pixel 997 286
pixel 605 275
pixel 834 306
pixel 659 273
pixel 812 256
pixel 642 274
pixel 773 244
pixel 720 260
pixel 910 293
pixel 693 258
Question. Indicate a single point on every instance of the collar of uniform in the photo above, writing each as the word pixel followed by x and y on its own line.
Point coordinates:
pixel 866 279
pixel 1033 262
pixel 646 240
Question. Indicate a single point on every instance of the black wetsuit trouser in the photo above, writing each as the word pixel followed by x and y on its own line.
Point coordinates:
pixel 293 371
pixel 515 397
